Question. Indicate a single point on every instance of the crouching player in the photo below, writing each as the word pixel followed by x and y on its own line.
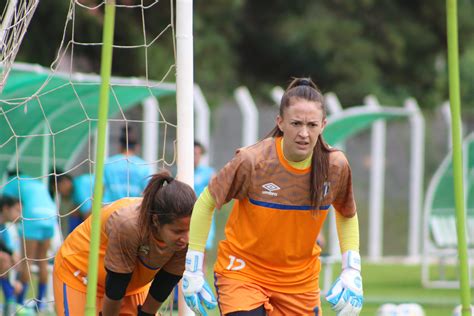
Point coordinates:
pixel 141 257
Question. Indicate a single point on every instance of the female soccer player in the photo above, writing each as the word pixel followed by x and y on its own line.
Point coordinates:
pixel 38 226
pixel 141 257
pixel 10 213
pixel 283 187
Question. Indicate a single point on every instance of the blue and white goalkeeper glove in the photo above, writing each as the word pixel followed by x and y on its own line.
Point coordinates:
pixel 346 294
pixel 196 291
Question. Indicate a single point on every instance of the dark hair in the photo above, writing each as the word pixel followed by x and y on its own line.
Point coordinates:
pixel 7 201
pixel 306 89
pixel 167 198
pixel 56 176
pixel 13 173
pixel 128 139
pixel 200 145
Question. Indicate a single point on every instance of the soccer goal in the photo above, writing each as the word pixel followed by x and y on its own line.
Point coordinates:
pixel 50 116
pixel 16 17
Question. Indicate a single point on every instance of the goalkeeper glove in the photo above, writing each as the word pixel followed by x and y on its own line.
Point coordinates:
pixel 196 291
pixel 346 294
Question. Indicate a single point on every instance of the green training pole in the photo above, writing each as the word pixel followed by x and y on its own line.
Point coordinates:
pixel 455 101
pixel 105 70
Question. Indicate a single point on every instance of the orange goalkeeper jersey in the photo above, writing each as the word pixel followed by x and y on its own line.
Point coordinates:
pixel 271 232
pixel 123 249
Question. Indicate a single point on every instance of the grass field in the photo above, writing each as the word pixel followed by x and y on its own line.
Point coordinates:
pixel 383 283
pixel 391 283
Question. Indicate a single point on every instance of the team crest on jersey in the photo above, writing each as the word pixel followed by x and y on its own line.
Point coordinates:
pixel 145 249
pixel 270 188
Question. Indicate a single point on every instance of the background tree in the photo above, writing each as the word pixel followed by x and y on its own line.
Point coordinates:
pixel 392 49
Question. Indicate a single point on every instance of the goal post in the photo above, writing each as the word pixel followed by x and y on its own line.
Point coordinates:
pixel 105 74
pixel 52 121
pixel 185 104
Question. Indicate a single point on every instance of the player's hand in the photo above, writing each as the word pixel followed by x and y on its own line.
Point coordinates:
pixel 196 291
pixel 346 294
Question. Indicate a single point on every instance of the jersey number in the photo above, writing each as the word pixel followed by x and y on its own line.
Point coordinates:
pixel 235 264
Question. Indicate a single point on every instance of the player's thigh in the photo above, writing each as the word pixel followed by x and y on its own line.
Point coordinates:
pixel 43 247
pixel 31 246
pixel 67 300
pixel 29 252
pixel 234 295
pixel 308 303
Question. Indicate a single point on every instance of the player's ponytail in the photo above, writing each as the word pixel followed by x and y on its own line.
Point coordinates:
pixel 167 199
pixel 306 89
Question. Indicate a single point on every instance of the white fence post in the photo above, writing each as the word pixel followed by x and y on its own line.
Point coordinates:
pixel 377 183
pixel 417 153
pixel 249 116
pixel 151 129
pixel 202 134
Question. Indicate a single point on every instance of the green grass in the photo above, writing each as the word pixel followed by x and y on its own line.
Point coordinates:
pixel 383 283
pixel 390 283
pixel 402 284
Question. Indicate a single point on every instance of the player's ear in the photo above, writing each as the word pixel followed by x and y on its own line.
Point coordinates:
pixel 323 126
pixel 279 122
pixel 155 221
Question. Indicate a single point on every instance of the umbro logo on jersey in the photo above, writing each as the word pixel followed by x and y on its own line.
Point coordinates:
pixel 269 188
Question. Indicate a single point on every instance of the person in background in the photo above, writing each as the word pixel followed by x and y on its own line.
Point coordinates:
pixel 202 176
pixel 83 190
pixel 39 223
pixel 282 186
pixel 125 174
pixel 75 198
pixel 60 188
pixel 141 257
pixel 10 213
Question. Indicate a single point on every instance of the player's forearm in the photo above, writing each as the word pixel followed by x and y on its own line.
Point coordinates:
pixel 348 232
pixel 110 307
pixel 201 221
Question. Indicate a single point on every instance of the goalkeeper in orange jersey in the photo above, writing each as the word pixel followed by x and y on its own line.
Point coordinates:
pixel 283 187
pixel 141 256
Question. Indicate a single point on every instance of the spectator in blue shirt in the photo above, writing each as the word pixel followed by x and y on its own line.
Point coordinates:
pixel 39 223
pixel 125 174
